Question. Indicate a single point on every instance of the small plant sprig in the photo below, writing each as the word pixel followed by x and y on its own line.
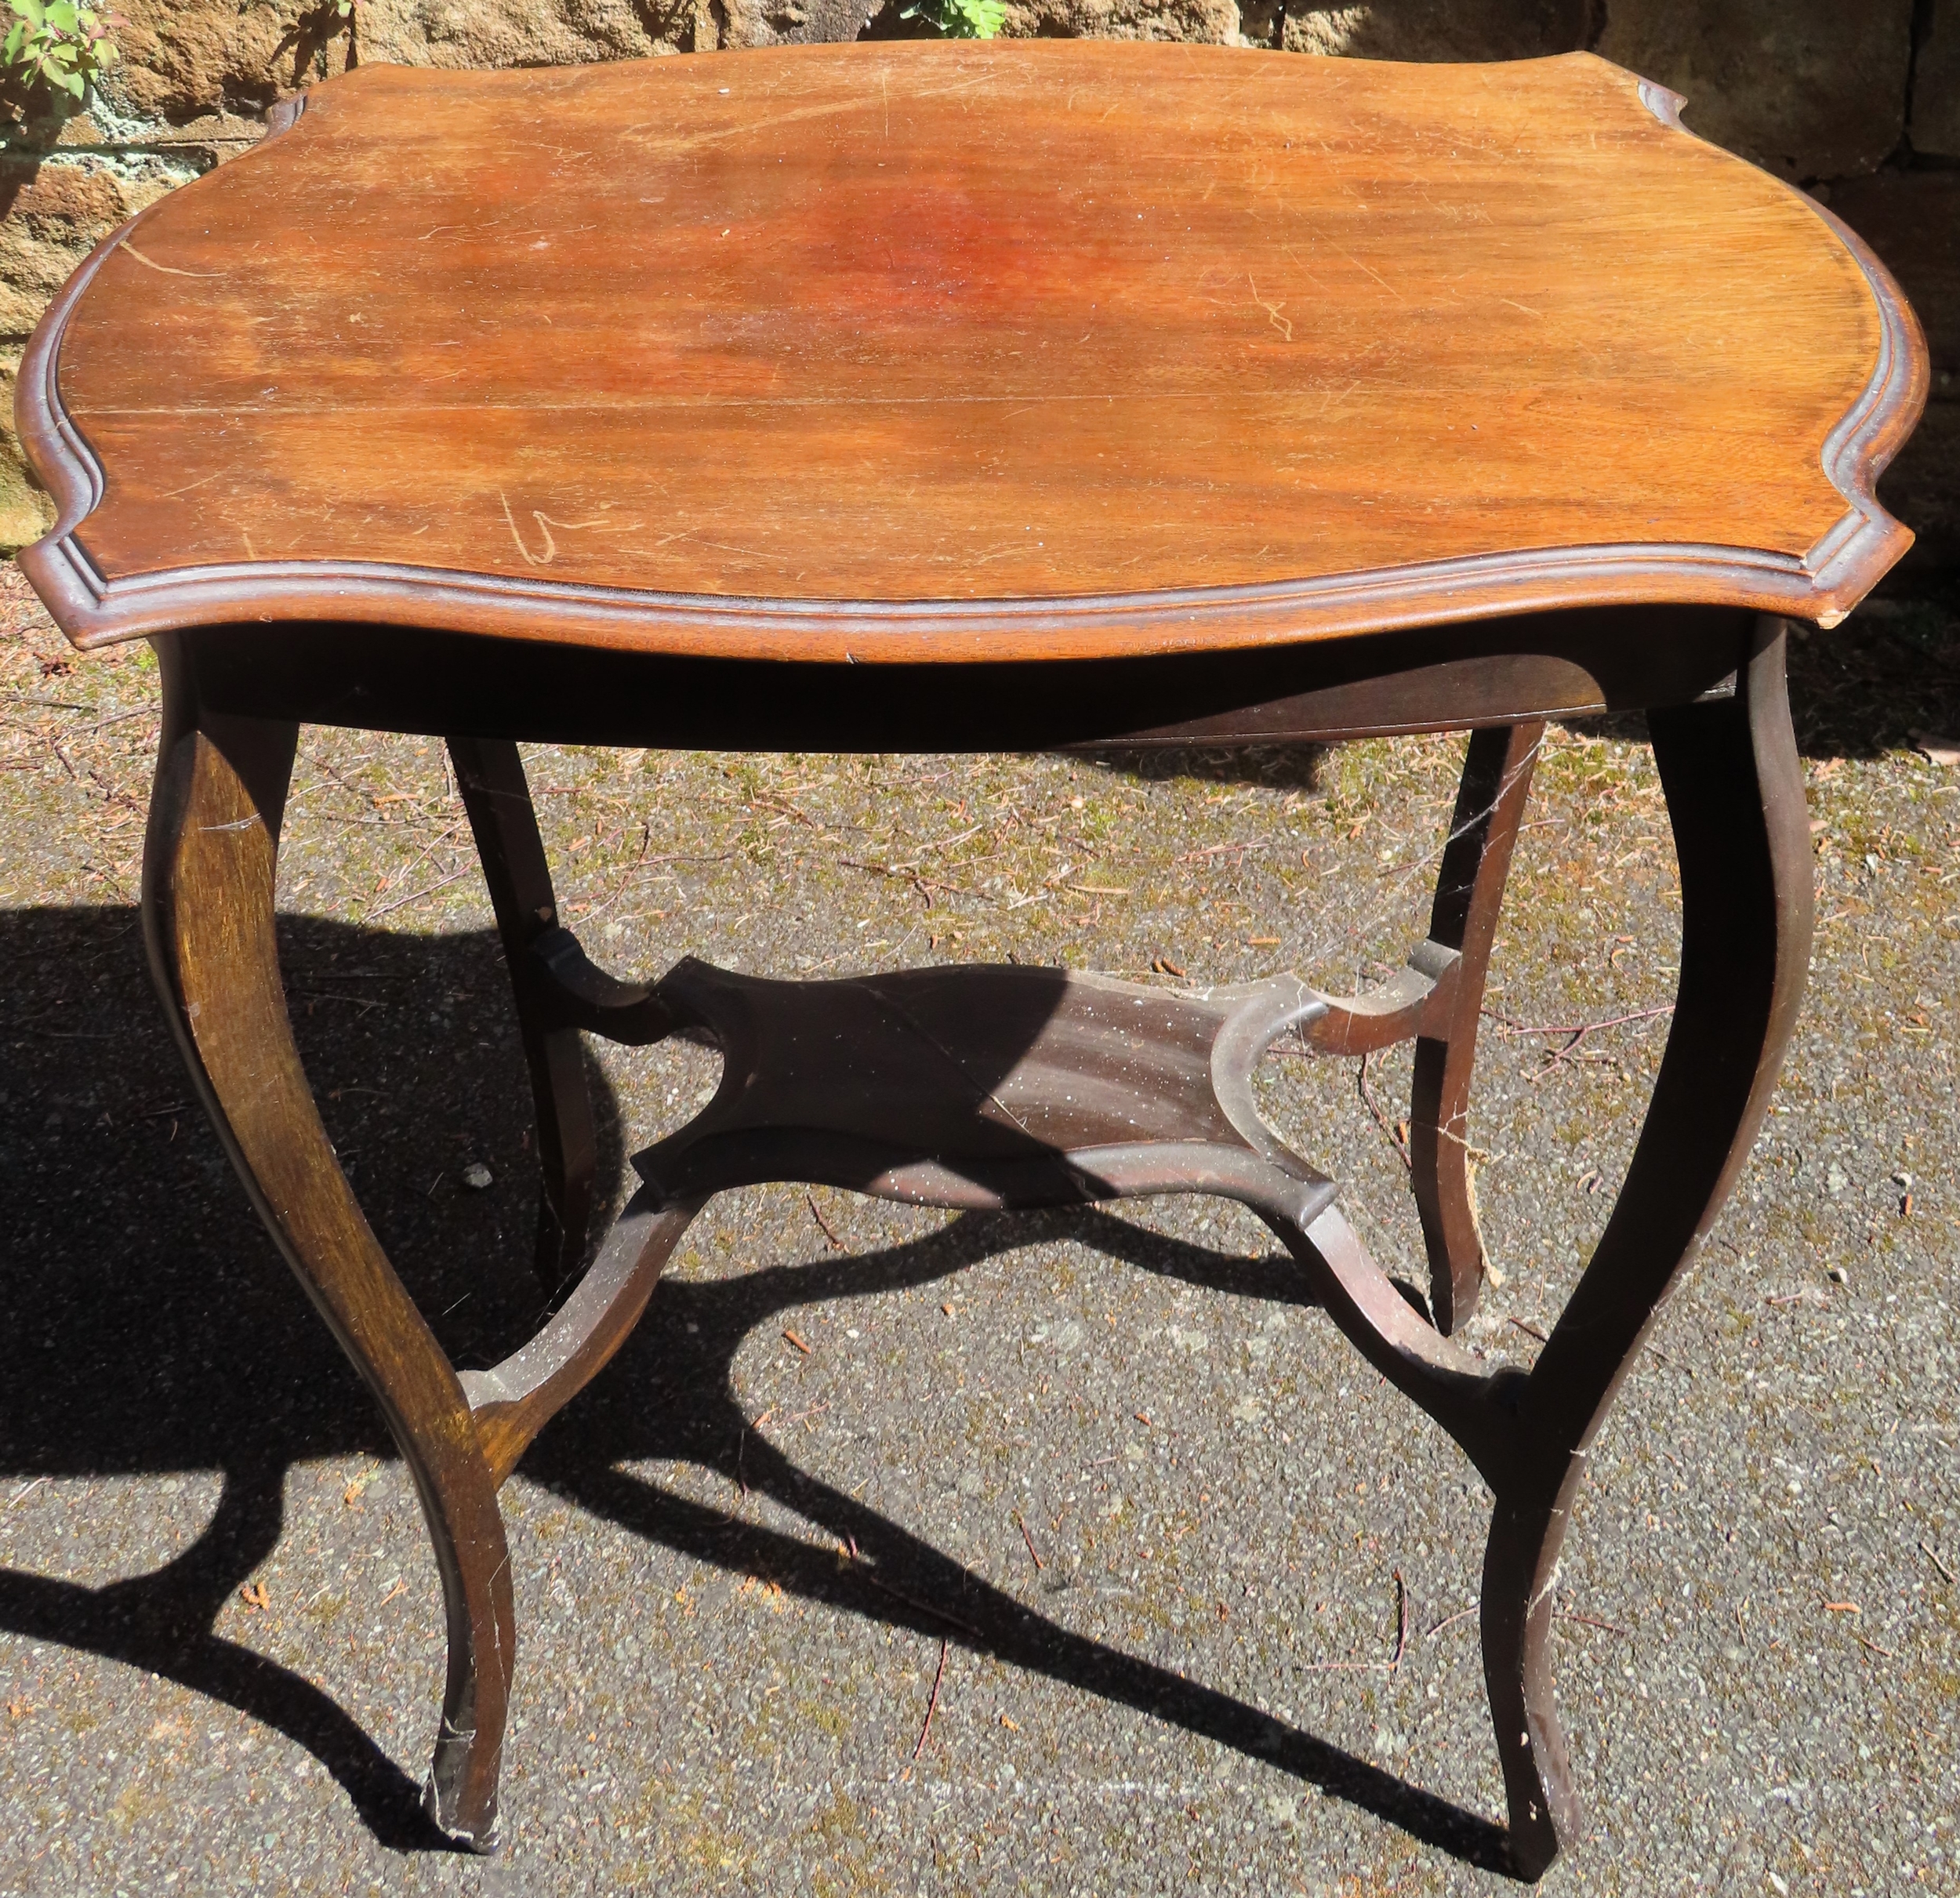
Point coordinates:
pixel 961 19
pixel 55 45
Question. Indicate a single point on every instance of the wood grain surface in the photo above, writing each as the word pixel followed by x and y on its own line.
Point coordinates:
pixel 912 352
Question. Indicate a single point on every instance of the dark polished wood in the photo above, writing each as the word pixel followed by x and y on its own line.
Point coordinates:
pixel 939 353
pixel 935 398
pixel 1574 663
pixel 1735 797
pixel 1497 780
pixel 490 776
pixel 208 877
pixel 1008 1087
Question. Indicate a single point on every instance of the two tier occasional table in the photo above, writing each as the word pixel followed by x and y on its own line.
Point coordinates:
pixel 939 397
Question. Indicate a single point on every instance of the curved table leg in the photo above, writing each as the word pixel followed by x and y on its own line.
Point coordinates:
pixel 1735 795
pixel 208 871
pixel 490 776
pixel 1496 781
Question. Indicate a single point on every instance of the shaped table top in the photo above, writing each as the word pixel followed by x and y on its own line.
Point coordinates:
pixel 917 351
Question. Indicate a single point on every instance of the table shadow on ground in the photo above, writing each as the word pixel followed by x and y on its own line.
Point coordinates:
pixel 145 1297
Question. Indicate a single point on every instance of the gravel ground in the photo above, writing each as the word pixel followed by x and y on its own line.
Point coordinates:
pixel 1145 1525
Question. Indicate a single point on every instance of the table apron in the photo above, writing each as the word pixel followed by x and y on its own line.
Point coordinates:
pixel 1428 679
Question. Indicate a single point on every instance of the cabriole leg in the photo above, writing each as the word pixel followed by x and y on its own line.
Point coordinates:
pixel 490 776
pixel 1735 797
pixel 208 879
pixel 1491 801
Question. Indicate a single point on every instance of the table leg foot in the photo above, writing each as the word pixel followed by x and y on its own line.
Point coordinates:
pixel 446 1793
pixel 1520 1566
pixel 210 870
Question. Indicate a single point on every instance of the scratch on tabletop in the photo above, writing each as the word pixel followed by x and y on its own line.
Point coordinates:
pixel 1293 257
pixel 1365 270
pixel 599 523
pixel 1273 311
pixel 200 481
pixel 660 135
pixel 530 559
pixel 169 269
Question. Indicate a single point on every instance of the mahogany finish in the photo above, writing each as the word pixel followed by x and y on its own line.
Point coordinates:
pixel 491 778
pixel 1568 664
pixel 209 872
pixel 933 352
pixel 1097 394
pixel 1497 779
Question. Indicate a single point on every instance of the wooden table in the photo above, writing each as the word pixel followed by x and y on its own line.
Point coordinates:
pixel 934 397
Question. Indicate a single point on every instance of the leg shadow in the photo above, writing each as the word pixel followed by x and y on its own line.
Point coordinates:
pixel 162 1622
pixel 670 1396
pixel 140 1297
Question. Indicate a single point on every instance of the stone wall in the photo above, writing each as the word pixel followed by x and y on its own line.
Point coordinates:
pixel 1859 104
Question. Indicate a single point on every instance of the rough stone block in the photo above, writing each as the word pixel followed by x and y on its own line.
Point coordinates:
pixel 1936 84
pixel 208 141
pixel 782 23
pixel 199 146
pixel 1808 89
pixel 26 511
pixel 184 60
pixel 494 33
pixel 1438 29
pixel 1912 220
pixel 1213 22
pixel 54 211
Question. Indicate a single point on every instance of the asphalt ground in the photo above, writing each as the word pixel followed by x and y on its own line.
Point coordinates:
pixel 1162 1589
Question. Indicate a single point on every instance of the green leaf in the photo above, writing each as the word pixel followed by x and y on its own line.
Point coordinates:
pixel 62 44
pixel 963 19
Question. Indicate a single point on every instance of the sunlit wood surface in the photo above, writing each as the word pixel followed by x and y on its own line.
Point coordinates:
pixel 914 323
